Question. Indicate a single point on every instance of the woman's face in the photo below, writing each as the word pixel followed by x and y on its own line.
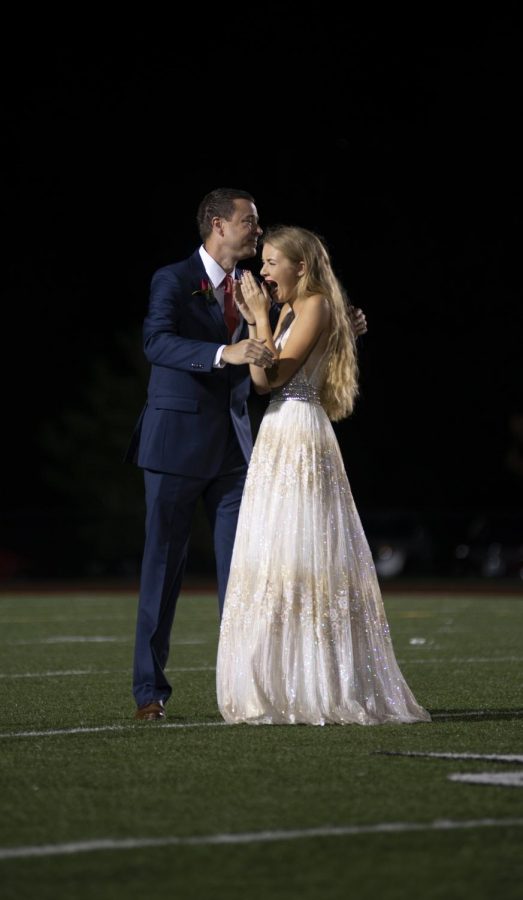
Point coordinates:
pixel 280 274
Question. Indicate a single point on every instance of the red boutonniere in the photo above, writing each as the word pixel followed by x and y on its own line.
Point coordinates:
pixel 205 290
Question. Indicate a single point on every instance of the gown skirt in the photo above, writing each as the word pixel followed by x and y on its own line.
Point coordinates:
pixel 304 637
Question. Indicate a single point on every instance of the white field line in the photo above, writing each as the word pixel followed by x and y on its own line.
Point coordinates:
pixel 461 659
pixel 165 725
pixel 482 757
pixel 253 837
pixel 492 779
pixel 477 713
pixel 32 620
pixel 74 639
pixel 96 729
pixel 89 639
pixel 190 641
pixel 68 672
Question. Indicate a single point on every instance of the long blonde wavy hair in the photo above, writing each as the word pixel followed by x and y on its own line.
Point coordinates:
pixel 340 387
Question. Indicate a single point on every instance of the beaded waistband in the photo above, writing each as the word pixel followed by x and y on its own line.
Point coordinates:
pixel 303 391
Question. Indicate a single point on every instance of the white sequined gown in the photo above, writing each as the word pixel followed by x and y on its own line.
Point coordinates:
pixel 304 637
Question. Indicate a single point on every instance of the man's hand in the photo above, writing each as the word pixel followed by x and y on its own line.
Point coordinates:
pixel 358 321
pixel 251 352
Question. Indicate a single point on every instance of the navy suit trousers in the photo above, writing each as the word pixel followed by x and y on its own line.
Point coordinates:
pixel 170 505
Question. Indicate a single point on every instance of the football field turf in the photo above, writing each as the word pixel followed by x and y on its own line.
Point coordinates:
pixel 94 805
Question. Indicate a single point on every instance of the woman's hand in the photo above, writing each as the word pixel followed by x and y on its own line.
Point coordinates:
pixel 239 299
pixel 256 298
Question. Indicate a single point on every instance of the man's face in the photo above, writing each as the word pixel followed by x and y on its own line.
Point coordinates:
pixel 241 232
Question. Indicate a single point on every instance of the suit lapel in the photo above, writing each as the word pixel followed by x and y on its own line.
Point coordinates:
pixel 214 309
pixel 209 304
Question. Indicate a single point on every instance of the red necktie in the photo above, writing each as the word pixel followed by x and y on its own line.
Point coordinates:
pixel 230 312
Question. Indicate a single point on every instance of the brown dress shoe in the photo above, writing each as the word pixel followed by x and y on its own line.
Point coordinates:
pixel 153 710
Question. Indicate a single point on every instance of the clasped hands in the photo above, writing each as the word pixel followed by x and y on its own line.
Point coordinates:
pixel 251 302
pixel 252 299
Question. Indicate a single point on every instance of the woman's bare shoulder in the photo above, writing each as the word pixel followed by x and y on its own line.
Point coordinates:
pixel 317 305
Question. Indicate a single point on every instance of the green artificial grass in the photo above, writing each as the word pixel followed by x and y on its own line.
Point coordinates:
pixel 462 658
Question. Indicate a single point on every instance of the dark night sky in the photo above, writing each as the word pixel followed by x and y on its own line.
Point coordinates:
pixel 407 161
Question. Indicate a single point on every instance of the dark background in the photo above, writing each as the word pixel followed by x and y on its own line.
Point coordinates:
pixel 403 152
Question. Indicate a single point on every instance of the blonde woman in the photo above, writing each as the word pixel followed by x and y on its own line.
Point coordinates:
pixel 304 637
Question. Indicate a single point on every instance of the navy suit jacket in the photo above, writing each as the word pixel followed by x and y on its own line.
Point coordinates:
pixel 184 426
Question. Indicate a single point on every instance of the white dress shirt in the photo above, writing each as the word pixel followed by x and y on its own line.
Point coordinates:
pixel 216 275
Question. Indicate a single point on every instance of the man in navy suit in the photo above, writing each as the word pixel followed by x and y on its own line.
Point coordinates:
pixel 193 438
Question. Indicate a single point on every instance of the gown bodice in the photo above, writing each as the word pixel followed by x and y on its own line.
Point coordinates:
pixel 307 381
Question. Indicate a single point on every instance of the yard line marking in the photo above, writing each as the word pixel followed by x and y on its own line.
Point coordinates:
pixel 31 620
pixel 75 639
pixel 490 757
pixel 163 725
pixel 191 641
pixel 415 614
pixel 47 674
pixel 252 837
pixel 462 659
pixel 95 639
pixel 478 713
pixel 493 779
pixel 68 672
pixel 52 732
pixel 191 669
